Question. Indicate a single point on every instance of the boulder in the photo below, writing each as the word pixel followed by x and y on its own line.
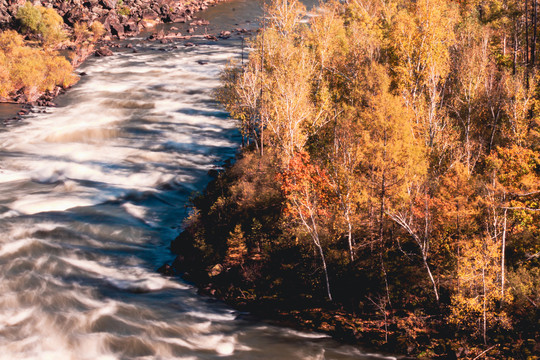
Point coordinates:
pixel 76 14
pixel 103 51
pixel 108 4
pixel 112 25
pixel 131 26
pixel 149 14
pixel 166 270
pixel 176 18
pixel 90 3
pixel 200 23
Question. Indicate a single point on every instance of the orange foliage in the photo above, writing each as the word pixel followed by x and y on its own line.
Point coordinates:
pixel 30 70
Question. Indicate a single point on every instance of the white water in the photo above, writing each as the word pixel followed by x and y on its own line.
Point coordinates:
pixel 92 193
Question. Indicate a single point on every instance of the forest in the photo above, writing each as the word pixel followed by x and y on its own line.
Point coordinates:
pixel 388 185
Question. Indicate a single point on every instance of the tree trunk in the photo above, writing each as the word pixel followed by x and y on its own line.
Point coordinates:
pixel 349 236
pixel 503 248
pixel 533 48
pixel 514 65
pixel 484 304
pixel 526 32
pixel 381 227
pixel 328 292
pixel 424 258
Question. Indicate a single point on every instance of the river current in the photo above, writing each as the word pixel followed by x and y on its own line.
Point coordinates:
pixel 93 191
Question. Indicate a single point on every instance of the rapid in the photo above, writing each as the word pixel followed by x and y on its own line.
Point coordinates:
pixel 93 191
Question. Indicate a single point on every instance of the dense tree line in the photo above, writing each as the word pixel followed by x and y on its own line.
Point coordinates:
pixel 390 165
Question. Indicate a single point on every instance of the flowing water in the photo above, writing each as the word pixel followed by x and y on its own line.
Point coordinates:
pixel 91 194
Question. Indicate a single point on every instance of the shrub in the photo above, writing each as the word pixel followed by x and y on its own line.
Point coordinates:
pixel 29 17
pixel 51 27
pixel 97 29
pixel 124 10
pixel 32 70
pixel 42 21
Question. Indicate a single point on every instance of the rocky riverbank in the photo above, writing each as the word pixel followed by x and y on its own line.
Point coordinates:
pixel 120 18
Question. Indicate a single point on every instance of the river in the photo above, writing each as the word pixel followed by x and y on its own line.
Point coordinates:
pixel 93 191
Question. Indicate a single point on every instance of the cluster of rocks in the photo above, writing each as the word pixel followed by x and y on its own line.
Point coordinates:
pixel 120 17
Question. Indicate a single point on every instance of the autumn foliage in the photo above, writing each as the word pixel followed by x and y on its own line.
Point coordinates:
pixel 29 69
pixel 30 62
pixel 404 139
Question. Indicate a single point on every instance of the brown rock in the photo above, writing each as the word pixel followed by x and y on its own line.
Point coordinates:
pixel 75 15
pixel 149 14
pixel 131 26
pixel 210 37
pixel 166 270
pixel 113 26
pixel 103 51
pixel 90 3
pixel 176 17
pixel 109 4
pixel 225 34
pixel 200 23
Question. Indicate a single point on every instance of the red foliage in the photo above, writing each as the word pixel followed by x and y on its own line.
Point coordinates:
pixel 306 187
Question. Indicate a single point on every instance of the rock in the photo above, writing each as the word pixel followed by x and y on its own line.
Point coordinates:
pixel 210 37
pixel 200 23
pixel 149 14
pixel 166 270
pixel 90 3
pixel 176 18
pixel 156 36
pixel 202 62
pixel 116 28
pixel 108 4
pixel 189 44
pixel 75 15
pixel 131 27
pixel 97 12
pixel 129 46
pixel 191 30
pixel 103 51
pixel 225 34
pixel 164 10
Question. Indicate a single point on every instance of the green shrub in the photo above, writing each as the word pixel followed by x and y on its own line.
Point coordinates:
pixel 124 10
pixel 29 17
pixel 42 21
